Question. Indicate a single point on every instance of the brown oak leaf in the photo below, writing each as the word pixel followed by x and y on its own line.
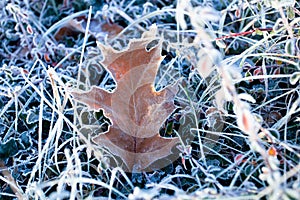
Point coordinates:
pixel 136 109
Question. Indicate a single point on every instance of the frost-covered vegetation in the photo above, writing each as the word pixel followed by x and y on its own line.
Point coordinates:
pixel 236 67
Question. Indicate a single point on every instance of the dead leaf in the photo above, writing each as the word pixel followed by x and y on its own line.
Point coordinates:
pixel 98 29
pixel 136 110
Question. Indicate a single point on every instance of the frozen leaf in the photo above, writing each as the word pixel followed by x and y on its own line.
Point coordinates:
pixel 295 78
pixel 239 158
pixel 245 119
pixel 290 46
pixel 97 28
pixel 136 110
pixel 29 29
pixel 13 146
pixel 247 97
pixel 290 12
pixel 32 115
pixel 272 117
pixel 265 174
pixel 8 149
pixel 208 57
